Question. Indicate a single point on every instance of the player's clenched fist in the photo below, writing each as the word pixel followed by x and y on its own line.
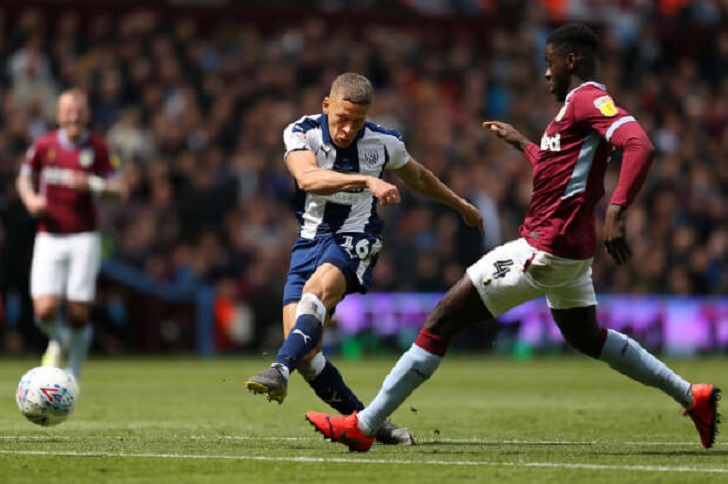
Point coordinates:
pixel 386 193
pixel 471 216
pixel 36 205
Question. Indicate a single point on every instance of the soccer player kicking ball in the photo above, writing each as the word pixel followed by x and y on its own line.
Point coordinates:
pixel 554 254
pixel 338 159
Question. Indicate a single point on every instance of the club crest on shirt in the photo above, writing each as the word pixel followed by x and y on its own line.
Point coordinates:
pixel 51 155
pixel 115 161
pixel 605 105
pixel 86 158
pixel 370 158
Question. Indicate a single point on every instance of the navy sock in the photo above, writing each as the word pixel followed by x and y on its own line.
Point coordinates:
pixel 330 387
pixel 304 337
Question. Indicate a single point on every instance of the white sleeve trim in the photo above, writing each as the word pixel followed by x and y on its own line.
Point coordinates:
pixel 616 125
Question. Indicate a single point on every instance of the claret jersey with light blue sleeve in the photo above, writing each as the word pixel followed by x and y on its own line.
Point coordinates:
pixel 374 150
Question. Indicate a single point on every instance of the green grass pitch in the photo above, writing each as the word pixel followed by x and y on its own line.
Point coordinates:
pixel 479 419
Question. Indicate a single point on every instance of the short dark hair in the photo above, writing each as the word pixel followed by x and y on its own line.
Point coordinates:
pixel 579 39
pixel 574 37
pixel 353 87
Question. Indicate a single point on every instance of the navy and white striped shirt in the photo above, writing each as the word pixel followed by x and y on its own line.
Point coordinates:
pixel 374 150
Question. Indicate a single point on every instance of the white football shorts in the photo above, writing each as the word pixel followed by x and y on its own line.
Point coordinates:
pixel 66 265
pixel 515 272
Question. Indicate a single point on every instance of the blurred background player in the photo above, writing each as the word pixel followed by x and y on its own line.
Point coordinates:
pixel 337 160
pixel 63 172
pixel 554 255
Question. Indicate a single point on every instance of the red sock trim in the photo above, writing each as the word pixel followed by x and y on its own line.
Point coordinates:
pixel 429 341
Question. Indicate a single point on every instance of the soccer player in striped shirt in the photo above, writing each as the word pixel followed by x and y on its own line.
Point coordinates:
pixel 337 160
pixel 554 254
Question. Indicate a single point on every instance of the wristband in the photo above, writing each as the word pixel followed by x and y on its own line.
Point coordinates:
pixel 96 184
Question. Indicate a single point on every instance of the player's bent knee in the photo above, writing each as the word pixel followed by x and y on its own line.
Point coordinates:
pixel 46 311
pixel 78 314
pixel 78 322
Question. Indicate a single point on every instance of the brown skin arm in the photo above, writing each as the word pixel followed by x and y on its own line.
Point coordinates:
pixel 508 133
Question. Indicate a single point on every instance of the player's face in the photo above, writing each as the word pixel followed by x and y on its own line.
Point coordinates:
pixel 73 115
pixel 346 119
pixel 558 71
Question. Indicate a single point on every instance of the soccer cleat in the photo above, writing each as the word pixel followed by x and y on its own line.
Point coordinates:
pixel 53 355
pixel 270 382
pixel 704 412
pixel 390 434
pixel 342 429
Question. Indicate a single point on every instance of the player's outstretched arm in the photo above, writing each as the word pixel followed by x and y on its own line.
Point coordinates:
pixel 115 187
pixel 424 182
pixel 508 133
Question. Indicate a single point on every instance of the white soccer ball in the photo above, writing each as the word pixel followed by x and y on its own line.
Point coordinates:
pixel 46 395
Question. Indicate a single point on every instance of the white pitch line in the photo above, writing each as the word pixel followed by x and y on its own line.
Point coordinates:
pixel 250 437
pixel 468 441
pixel 51 438
pixel 339 460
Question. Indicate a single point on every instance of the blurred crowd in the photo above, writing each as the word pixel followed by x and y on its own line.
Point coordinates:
pixel 196 109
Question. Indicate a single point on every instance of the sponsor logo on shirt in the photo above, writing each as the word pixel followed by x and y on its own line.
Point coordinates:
pixel 56 176
pixel 551 143
pixel 605 105
pixel 347 198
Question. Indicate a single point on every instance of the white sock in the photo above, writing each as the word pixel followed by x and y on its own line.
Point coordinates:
pixel 310 370
pixel 414 367
pixel 79 343
pixel 629 358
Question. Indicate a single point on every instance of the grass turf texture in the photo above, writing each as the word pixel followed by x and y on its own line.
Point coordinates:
pixel 479 419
